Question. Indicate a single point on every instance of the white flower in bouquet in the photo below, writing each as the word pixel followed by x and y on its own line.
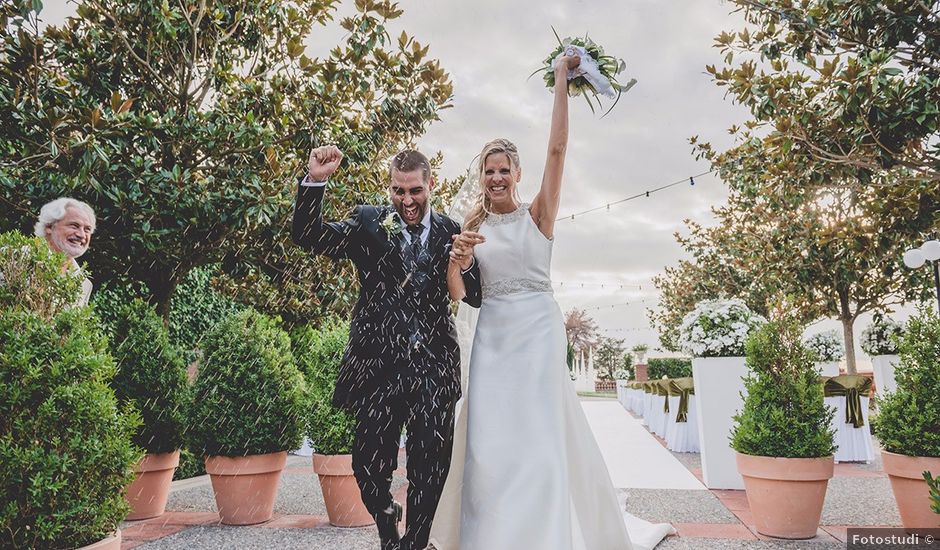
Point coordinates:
pixel 718 328
pixel 621 374
pixel 879 337
pixel 595 75
pixel 827 346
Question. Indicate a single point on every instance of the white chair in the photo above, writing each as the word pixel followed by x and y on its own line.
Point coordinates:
pixel 682 436
pixel 658 414
pixel 853 442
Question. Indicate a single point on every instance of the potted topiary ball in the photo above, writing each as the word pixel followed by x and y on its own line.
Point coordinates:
pixel 331 430
pixel 152 376
pixel 909 421
pixel 782 436
pixel 65 442
pixel 249 401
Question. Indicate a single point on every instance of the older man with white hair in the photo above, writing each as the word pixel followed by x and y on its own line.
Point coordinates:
pixel 67 225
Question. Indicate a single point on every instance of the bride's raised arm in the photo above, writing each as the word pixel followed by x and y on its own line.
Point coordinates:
pixel 546 202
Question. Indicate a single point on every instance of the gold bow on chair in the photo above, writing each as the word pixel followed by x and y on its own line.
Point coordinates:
pixel 683 387
pixel 853 387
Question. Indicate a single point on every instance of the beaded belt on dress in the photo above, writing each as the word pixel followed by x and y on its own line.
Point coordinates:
pixel 512 286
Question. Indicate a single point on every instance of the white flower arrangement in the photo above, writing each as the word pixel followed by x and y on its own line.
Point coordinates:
pixel 621 374
pixel 393 224
pixel 718 328
pixel 827 346
pixel 880 337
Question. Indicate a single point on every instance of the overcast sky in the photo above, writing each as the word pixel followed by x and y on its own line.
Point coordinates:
pixel 490 47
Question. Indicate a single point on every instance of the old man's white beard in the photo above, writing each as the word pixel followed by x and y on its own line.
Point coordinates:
pixel 71 250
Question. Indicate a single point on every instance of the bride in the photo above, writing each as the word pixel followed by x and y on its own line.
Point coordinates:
pixel 526 471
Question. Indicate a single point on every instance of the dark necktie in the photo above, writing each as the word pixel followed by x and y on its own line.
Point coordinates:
pixel 415 231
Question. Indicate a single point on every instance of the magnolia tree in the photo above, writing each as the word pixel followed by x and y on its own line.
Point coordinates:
pixel 808 231
pixel 851 82
pixel 186 123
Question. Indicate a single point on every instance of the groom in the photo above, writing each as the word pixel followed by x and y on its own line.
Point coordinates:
pixel 402 364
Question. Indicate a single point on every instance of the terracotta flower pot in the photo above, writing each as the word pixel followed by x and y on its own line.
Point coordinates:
pixel 340 492
pixel 910 490
pixel 245 486
pixel 149 491
pixel 786 495
pixel 111 543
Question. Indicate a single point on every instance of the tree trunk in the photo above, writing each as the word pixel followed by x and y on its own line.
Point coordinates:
pixel 848 331
pixel 848 336
pixel 162 295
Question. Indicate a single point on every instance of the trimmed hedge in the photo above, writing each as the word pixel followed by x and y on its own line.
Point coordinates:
pixel 909 418
pixel 319 354
pixel 152 376
pixel 249 397
pixel 783 414
pixel 671 367
pixel 66 455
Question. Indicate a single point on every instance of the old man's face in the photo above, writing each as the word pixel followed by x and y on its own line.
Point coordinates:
pixel 72 234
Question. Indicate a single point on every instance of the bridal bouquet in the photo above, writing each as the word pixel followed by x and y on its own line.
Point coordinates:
pixel 596 74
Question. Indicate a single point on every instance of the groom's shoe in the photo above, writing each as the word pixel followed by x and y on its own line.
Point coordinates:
pixel 387 523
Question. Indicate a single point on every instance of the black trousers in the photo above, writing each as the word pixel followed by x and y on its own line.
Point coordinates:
pixel 407 402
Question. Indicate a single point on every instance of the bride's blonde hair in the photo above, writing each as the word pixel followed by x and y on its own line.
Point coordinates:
pixel 481 204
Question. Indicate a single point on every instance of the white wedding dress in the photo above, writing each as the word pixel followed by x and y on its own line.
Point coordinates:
pixel 526 471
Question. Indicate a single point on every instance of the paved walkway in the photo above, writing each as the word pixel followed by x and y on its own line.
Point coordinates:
pixel 660 486
pixel 635 458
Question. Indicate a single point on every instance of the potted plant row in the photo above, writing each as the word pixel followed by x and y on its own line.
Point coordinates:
pixel 714 333
pixel 782 436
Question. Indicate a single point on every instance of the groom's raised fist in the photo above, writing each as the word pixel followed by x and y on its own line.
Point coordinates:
pixel 323 162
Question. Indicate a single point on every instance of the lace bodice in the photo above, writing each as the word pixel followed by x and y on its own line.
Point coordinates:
pixel 516 257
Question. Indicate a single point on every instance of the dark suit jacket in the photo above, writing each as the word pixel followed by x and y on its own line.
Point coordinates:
pixel 378 345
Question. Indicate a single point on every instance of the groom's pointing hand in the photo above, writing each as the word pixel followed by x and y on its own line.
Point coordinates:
pixel 323 162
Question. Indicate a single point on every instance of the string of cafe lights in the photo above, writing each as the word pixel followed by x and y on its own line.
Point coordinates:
pixel 575 284
pixel 690 180
pixel 611 306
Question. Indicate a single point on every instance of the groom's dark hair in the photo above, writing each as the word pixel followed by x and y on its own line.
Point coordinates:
pixel 409 161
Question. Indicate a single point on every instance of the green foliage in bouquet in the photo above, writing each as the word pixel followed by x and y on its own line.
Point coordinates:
pixel 909 418
pixel 608 66
pixel 151 375
pixel 65 444
pixel 31 276
pixel 319 354
pixel 249 398
pixel 783 415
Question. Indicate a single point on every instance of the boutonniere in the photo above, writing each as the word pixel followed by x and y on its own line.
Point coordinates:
pixel 393 224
